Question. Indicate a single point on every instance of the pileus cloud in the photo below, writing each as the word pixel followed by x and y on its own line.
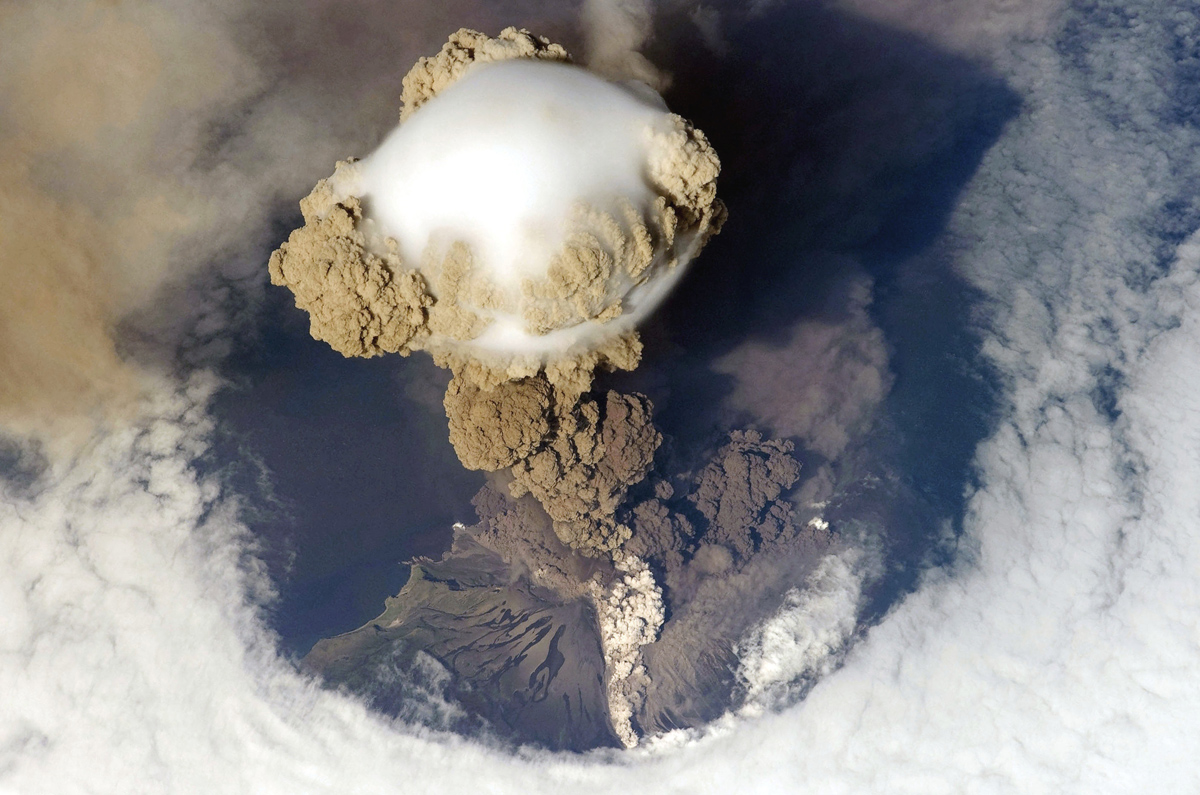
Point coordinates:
pixel 524 216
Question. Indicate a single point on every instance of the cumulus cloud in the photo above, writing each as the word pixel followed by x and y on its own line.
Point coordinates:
pixel 806 636
pixel 971 27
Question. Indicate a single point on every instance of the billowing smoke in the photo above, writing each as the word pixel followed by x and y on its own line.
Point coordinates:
pixel 524 216
pixel 518 224
pixel 113 203
pixel 83 98
pixel 617 31
pixel 521 221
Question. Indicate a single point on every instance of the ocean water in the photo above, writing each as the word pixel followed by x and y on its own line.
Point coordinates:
pixel 348 466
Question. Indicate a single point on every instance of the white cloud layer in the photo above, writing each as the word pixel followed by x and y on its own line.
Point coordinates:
pixel 1060 654
pixel 805 637
pixel 501 160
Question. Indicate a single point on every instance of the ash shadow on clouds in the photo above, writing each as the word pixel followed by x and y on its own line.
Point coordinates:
pixel 844 144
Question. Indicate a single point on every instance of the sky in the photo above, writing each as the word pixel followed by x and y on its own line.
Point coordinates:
pixel 1054 649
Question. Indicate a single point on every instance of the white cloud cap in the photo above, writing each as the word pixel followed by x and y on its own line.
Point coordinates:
pixel 501 160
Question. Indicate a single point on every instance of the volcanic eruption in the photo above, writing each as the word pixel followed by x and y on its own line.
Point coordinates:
pixel 518 224
pixel 521 220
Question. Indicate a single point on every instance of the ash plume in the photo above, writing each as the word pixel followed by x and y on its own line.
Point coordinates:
pixel 617 30
pixel 80 256
pixel 517 225
pixel 117 195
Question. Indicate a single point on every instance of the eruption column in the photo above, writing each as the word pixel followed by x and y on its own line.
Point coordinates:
pixel 520 222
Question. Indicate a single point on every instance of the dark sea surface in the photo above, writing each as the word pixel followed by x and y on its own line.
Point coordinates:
pixel 349 468
pixel 844 145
